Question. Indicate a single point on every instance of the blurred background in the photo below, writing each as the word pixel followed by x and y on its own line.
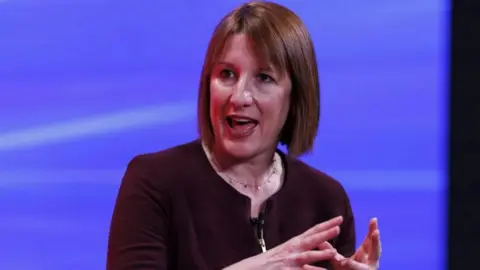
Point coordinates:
pixel 86 85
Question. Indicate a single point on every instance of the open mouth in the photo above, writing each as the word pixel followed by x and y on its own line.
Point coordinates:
pixel 234 121
pixel 240 126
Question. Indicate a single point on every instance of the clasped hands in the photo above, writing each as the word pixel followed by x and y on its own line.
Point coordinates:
pixel 311 247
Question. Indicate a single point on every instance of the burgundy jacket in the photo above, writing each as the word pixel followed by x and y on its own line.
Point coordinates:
pixel 174 212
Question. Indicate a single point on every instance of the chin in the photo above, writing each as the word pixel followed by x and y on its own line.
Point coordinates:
pixel 243 149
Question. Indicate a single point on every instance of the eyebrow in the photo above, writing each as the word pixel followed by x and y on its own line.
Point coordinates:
pixel 223 63
pixel 265 68
pixel 268 69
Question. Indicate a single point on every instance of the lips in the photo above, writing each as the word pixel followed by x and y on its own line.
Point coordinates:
pixel 240 126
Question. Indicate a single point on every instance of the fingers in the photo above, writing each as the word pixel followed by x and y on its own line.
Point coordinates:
pixel 325 245
pixel 372 226
pixel 376 246
pixel 336 221
pixel 367 242
pixel 374 237
pixel 312 256
pixel 368 255
pixel 316 240
pixel 310 267
pixel 319 233
pixel 337 257
pixel 353 265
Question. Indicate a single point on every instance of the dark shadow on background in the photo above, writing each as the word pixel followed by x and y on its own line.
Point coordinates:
pixel 464 198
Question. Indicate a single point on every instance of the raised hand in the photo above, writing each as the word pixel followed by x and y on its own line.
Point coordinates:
pixel 298 252
pixel 367 256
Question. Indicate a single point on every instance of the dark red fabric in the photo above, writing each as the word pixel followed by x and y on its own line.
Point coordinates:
pixel 174 212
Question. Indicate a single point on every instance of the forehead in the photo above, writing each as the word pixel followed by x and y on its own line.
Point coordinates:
pixel 239 49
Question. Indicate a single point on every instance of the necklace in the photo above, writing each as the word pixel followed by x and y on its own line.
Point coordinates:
pixel 267 179
pixel 274 169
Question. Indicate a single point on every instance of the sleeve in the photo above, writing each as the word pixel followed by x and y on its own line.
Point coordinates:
pixel 139 225
pixel 346 242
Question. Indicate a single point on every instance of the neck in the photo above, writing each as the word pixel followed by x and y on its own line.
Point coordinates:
pixel 251 170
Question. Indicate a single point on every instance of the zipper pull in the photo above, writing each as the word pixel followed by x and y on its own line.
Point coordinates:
pixel 261 241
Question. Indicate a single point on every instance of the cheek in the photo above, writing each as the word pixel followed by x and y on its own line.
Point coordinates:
pixel 217 100
pixel 285 109
pixel 276 114
pixel 218 93
pixel 285 106
pixel 282 106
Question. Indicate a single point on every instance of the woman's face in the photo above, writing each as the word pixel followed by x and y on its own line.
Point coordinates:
pixel 249 101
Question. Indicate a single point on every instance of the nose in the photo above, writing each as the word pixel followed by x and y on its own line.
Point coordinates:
pixel 242 94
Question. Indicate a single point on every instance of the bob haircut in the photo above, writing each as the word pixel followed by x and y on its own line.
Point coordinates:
pixel 280 38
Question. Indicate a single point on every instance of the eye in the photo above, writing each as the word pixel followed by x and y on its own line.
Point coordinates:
pixel 265 77
pixel 226 74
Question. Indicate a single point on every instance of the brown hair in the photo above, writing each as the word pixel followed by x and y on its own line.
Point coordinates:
pixel 280 37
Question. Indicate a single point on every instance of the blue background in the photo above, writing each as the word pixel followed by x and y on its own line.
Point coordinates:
pixel 86 85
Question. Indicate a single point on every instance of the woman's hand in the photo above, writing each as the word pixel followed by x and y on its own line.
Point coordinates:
pixel 367 256
pixel 298 252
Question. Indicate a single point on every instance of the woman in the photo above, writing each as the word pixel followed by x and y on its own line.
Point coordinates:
pixel 231 200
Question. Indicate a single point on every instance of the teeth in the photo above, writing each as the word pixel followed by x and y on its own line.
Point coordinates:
pixel 234 121
pixel 242 120
pixel 238 119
